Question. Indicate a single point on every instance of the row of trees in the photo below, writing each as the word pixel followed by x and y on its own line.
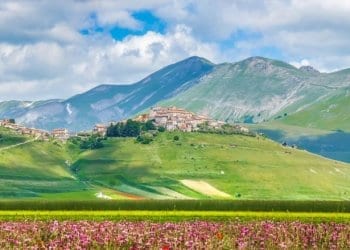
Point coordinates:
pixel 129 129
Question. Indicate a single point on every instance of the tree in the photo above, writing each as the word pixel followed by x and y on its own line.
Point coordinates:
pixel 93 142
pixel 149 125
pixel 131 129
pixel 161 129
pixel 145 138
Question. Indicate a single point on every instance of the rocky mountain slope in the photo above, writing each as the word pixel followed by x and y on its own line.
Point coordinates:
pixel 109 102
pixel 259 89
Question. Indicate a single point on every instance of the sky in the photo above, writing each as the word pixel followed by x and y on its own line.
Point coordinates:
pixel 56 49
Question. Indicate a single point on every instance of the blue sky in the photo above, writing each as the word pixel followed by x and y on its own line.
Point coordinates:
pixel 55 49
pixel 148 22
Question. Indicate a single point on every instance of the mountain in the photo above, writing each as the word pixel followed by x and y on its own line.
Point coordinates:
pixel 259 89
pixel 254 90
pixel 322 128
pixel 329 113
pixel 197 166
pixel 15 109
pixel 114 102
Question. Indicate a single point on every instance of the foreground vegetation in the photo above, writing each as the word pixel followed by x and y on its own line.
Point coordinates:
pixel 181 235
pixel 167 216
pixel 176 205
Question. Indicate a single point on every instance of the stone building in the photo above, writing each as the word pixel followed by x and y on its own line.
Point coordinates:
pixel 60 133
pixel 173 118
pixel 100 129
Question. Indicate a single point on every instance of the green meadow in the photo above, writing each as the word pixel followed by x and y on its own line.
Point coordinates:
pixel 7 138
pixel 329 114
pixel 241 166
pixel 197 166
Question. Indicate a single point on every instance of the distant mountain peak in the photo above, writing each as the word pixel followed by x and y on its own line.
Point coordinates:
pixel 256 64
pixel 257 59
pixel 196 59
pixel 309 69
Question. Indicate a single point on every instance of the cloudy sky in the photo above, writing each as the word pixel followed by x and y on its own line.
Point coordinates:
pixel 55 49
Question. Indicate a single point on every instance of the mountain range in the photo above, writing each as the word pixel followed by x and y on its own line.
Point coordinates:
pixel 254 90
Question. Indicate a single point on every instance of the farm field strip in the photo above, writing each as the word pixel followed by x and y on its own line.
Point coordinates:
pixel 165 216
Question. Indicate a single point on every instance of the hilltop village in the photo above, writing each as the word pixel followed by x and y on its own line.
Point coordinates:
pixel 60 133
pixel 170 118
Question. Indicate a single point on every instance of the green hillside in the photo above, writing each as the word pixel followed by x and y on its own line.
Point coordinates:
pixel 330 113
pixel 241 166
pixel 34 168
pixel 200 166
pixel 7 138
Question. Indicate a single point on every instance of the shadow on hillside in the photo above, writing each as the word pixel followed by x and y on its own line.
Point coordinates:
pixel 335 145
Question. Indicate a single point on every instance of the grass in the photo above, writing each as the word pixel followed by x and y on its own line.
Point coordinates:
pixel 8 138
pixel 241 166
pixel 328 114
pixel 166 216
pixel 35 168
pixel 248 168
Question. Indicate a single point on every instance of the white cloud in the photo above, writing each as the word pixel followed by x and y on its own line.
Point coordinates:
pixel 43 55
pixel 298 64
pixel 51 70
pixel 315 29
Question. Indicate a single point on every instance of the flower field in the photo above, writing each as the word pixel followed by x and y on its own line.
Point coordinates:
pixel 173 235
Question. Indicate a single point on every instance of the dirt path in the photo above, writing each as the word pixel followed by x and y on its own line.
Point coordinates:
pixel 204 188
pixel 19 144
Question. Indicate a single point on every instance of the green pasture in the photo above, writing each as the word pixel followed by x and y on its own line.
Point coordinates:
pixel 329 114
pixel 8 138
pixel 198 166
pixel 243 167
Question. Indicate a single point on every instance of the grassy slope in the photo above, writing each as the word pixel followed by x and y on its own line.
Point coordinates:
pixel 35 168
pixel 328 114
pixel 7 138
pixel 256 168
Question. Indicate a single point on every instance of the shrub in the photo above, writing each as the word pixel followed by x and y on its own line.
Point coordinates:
pixel 149 125
pixel 161 129
pixel 93 142
pixel 145 138
pixel 176 138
